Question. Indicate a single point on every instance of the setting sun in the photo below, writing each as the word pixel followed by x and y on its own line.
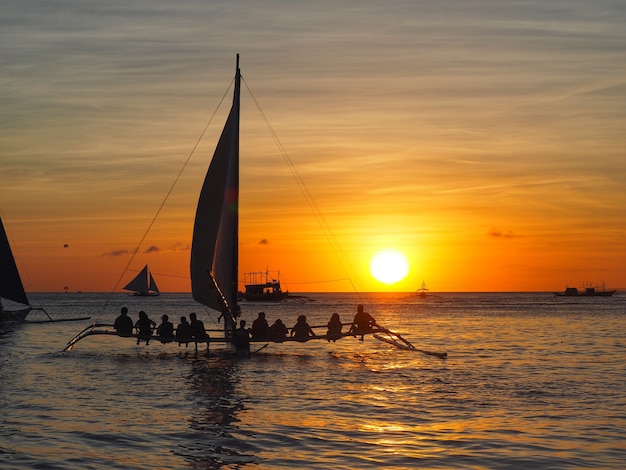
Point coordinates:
pixel 389 266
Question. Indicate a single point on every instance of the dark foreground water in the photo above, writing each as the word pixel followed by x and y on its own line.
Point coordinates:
pixel 532 381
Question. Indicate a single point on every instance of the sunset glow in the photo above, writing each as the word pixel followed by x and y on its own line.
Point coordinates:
pixel 485 143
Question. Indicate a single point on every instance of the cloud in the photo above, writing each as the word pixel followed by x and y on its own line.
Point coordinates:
pixel 264 241
pixel 497 233
pixel 179 247
pixel 117 253
pixel 152 249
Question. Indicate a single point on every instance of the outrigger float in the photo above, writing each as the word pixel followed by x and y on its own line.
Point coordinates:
pixel 215 248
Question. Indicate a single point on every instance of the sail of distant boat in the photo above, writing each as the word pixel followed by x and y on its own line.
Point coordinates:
pixel 214 248
pixel 11 286
pixel 143 284
pixel 422 290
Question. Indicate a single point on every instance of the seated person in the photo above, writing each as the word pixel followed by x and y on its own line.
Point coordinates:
pixel 183 331
pixel 241 339
pixel 278 330
pixel 198 332
pixel 123 323
pixel 301 331
pixel 334 328
pixel 260 329
pixel 144 327
pixel 166 329
pixel 363 322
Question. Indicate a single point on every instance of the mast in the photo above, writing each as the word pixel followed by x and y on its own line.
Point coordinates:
pixel 234 310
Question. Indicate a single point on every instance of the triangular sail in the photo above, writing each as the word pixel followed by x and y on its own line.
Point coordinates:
pixel 11 286
pixel 214 249
pixel 153 287
pixel 142 283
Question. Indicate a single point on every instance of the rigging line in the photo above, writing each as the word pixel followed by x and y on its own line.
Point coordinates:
pixel 321 282
pixel 325 226
pixel 169 192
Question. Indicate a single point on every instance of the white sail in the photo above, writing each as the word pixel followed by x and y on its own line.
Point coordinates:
pixel 143 283
pixel 214 249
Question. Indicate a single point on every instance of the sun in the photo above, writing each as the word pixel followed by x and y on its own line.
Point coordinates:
pixel 389 266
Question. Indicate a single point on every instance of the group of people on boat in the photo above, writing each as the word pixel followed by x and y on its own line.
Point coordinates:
pixel 185 333
pixel 261 330
pixel 194 331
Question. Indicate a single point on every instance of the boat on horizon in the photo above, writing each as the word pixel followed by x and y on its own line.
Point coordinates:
pixel 143 284
pixel 586 292
pixel 215 251
pixel 422 290
pixel 260 287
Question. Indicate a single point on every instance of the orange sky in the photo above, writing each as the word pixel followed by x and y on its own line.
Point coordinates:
pixel 487 144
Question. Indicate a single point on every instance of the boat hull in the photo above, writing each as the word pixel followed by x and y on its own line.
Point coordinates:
pixel 14 316
pixel 607 293
pixel 268 297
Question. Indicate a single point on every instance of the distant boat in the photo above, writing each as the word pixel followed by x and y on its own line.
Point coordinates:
pixel 259 290
pixel 11 286
pixel 143 284
pixel 422 290
pixel 586 292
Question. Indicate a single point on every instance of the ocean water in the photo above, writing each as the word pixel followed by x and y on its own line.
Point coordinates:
pixel 531 381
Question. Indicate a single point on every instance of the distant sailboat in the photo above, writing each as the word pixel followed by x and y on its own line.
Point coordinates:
pixel 11 286
pixel 143 284
pixel 422 290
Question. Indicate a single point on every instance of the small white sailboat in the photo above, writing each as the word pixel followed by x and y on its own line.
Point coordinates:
pixel 11 286
pixel 143 284
pixel 422 290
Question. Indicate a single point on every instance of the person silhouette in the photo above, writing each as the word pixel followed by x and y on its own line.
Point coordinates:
pixel 165 330
pixel 123 323
pixel 198 332
pixel 260 329
pixel 241 339
pixel 278 330
pixel 334 328
pixel 301 331
pixel 363 322
pixel 144 327
pixel 183 332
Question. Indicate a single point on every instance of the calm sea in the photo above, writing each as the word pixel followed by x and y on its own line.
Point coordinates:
pixel 531 381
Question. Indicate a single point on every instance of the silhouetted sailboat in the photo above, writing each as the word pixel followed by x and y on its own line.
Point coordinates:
pixel 422 290
pixel 215 246
pixel 11 286
pixel 143 284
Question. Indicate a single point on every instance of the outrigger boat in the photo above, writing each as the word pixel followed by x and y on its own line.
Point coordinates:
pixel 215 248
pixel 586 292
pixel 257 290
pixel 11 288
